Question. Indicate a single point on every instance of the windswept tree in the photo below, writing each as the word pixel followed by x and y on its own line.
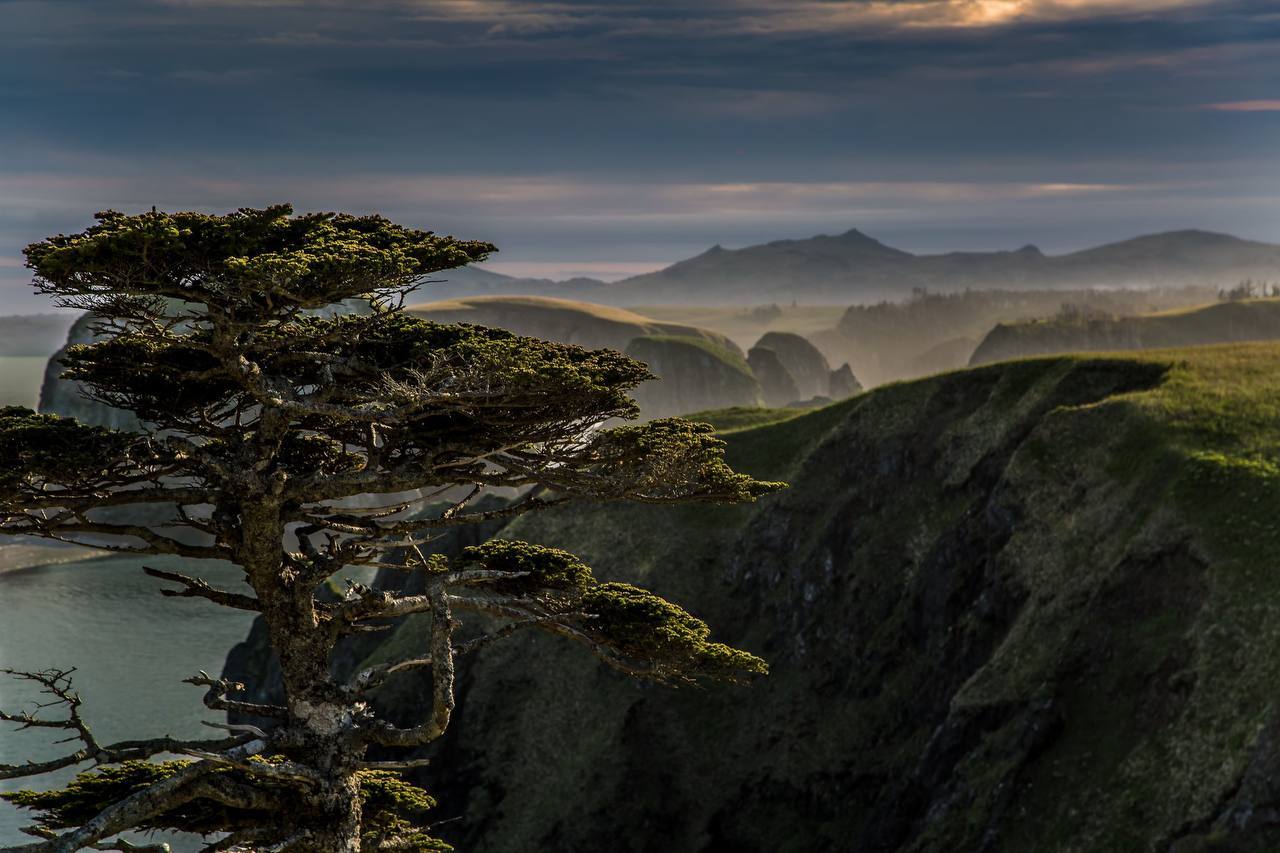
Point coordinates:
pixel 264 416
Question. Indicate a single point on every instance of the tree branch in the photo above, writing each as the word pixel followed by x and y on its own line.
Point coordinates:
pixel 197 588
pixel 215 699
pixel 442 677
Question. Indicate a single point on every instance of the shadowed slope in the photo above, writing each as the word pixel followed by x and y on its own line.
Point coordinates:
pixel 1028 606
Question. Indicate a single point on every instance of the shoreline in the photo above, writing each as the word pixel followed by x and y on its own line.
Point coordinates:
pixel 16 558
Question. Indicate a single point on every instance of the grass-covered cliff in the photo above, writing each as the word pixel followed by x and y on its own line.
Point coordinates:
pixel 1224 322
pixel 1031 606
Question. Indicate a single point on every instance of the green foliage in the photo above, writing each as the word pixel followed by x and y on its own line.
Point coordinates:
pixel 54 448
pixel 543 568
pixel 378 360
pixel 89 793
pixel 270 417
pixel 317 454
pixel 646 627
pixel 392 807
pixel 250 264
pixel 1225 322
pixel 669 457
pixel 743 417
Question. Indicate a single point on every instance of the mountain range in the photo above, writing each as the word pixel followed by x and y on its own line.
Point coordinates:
pixel 854 268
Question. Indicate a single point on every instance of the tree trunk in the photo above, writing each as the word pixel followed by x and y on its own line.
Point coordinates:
pixel 337 825
pixel 319 727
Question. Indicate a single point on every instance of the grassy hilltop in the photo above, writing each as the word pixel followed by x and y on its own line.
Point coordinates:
pixel 564 320
pixel 1221 322
pixel 1033 605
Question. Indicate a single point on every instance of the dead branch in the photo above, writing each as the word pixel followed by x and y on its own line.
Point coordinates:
pixel 197 588
pixel 215 699
pixel 57 683
pixel 442 677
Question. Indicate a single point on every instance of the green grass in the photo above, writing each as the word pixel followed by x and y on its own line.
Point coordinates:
pixel 738 418
pixel 1145 493
pixel 544 303
pixel 1216 323
pixel 727 357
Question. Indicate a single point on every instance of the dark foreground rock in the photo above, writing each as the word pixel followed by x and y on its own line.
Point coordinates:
pixel 1026 607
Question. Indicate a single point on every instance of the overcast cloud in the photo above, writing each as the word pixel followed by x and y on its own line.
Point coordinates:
pixel 612 137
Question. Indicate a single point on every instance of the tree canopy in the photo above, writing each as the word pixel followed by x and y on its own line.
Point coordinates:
pixel 295 440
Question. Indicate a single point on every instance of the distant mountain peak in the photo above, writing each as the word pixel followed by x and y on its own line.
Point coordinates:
pixel 852 267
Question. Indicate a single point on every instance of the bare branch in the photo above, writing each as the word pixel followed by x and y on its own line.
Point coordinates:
pixel 396 766
pixel 279 771
pixel 197 588
pixel 442 677
pixel 125 846
pixel 168 793
pixel 58 684
pixel 215 699
pixel 243 728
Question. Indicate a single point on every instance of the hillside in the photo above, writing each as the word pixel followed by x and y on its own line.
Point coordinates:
pixel 693 375
pixel 855 268
pixel 1225 322
pixel 932 331
pixel 567 321
pixel 1029 606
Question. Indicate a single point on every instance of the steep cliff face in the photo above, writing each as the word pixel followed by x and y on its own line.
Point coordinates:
pixel 842 383
pixel 776 382
pixel 807 367
pixel 792 370
pixel 693 375
pixel 1025 607
pixel 63 397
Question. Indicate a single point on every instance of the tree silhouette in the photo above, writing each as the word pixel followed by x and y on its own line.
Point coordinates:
pixel 263 416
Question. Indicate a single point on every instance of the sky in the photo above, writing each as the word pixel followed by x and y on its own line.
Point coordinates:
pixel 607 138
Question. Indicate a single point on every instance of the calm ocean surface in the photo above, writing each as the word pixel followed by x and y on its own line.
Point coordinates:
pixel 131 648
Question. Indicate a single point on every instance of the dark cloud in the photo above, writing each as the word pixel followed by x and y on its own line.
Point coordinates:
pixel 583 131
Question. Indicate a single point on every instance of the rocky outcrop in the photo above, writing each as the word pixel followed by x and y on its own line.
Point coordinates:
pixel 842 384
pixel 791 369
pixel 776 382
pixel 1024 607
pixel 64 397
pixel 694 375
pixel 802 360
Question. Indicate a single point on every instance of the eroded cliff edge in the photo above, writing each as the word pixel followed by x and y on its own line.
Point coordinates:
pixel 1027 606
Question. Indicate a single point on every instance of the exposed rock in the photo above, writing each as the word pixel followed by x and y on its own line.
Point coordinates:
pixel 694 375
pixel 807 366
pixel 63 397
pixel 775 380
pixel 842 383
pixel 1026 607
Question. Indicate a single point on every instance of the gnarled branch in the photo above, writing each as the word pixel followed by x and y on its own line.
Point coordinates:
pixel 197 588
